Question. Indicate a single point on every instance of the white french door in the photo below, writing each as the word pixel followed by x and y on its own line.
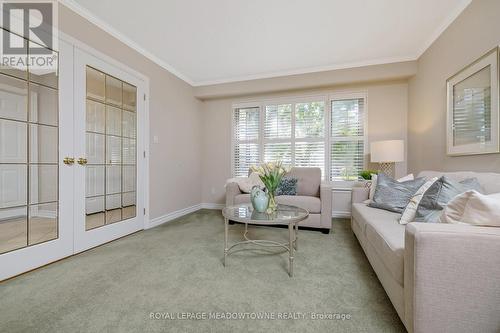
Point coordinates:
pixel 72 168
pixel 109 177
pixel 36 191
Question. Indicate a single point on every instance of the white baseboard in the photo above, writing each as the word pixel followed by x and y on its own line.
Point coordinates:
pixel 181 212
pixel 172 216
pixel 341 215
pixel 208 205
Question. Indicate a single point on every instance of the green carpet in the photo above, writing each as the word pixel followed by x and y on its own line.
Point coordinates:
pixel 176 269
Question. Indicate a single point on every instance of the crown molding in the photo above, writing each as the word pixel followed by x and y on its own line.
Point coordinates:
pixel 77 8
pixel 307 70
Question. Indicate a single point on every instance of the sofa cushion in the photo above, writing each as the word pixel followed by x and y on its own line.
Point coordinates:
pixel 308 180
pixel 312 204
pixel 388 239
pixel 385 235
pixel 362 213
pixel 242 198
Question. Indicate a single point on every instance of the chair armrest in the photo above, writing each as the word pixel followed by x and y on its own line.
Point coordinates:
pixel 232 190
pixel 325 193
pixel 451 278
pixel 360 194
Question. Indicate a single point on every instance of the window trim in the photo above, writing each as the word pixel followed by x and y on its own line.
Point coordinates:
pixel 327 98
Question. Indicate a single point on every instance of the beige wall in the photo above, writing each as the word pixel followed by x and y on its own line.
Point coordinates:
pixel 194 126
pixel 472 34
pixel 387 119
pixel 174 118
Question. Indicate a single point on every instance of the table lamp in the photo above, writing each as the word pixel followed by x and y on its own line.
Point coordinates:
pixel 386 153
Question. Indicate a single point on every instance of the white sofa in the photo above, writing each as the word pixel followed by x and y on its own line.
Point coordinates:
pixel 439 277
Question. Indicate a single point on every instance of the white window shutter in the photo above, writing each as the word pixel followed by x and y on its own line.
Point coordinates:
pixel 347 159
pixel 310 154
pixel 246 123
pixel 310 135
pixel 310 120
pixel 275 151
pixel 347 138
pixel 278 121
pixel 347 118
pixel 295 134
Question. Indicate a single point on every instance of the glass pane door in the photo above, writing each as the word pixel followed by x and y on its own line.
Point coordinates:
pixel 69 180
pixel 110 175
pixel 29 145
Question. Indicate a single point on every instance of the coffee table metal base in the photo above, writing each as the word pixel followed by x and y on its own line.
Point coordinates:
pixel 290 246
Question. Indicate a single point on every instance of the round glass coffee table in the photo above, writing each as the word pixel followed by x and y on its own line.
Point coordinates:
pixel 285 215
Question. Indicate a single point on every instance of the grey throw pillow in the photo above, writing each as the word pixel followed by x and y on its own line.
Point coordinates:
pixel 392 195
pixel 439 194
pixel 287 186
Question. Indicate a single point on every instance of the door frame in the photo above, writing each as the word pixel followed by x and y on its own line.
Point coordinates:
pixel 76 43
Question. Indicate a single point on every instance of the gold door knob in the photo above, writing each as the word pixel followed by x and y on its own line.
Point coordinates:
pixel 82 161
pixel 69 160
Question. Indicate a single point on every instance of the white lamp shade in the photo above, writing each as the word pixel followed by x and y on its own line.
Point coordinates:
pixel 387 151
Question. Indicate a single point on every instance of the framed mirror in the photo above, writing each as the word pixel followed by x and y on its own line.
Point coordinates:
pixel 473 108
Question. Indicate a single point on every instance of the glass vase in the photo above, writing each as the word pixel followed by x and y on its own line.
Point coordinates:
pixel 272 207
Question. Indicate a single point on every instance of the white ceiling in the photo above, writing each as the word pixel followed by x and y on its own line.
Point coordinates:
pixel 215 41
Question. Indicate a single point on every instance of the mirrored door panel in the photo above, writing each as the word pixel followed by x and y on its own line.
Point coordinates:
pixel 29 172
pixel 111 166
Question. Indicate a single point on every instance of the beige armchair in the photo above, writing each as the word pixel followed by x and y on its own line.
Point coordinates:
pixel 311 195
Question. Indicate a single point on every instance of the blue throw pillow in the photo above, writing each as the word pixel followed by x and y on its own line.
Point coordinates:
pixel 287 186
pixel 439 194
pixel 392 195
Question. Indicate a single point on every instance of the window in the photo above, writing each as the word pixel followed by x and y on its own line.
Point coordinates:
pixel 346 139
pixel 306 133
pixel 294 133
pixel 310 135
pixel 246 124
pixel 278 133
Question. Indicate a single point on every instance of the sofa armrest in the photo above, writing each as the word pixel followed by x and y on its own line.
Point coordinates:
pixel 232 190
pixel 451 278
pixel 325 193
pixel 359 194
